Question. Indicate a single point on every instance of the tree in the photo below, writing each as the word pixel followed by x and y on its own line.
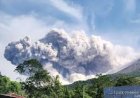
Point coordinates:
pixel 124 80
pixel 8 86
pixel 14 87
pixel 39 81
pixel 4 84
pixel 29 67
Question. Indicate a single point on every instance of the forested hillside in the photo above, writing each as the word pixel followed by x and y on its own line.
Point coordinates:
pixel 40 84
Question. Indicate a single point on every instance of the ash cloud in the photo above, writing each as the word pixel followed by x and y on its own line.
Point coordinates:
pixel 72 56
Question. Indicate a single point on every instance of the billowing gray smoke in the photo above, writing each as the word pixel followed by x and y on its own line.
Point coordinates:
pixel 73 56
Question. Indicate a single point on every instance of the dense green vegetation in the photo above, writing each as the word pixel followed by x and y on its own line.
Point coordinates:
pixel 40 84
pixel 7 86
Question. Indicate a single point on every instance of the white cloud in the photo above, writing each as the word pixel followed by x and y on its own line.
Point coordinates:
pixel 136 19
pixel 6 68
pixel 71 10
pixel 72 56
pixel 130 6
pixel 18 26
pixel 12 29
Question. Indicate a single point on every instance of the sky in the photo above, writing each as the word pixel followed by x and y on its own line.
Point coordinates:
pixel 115 20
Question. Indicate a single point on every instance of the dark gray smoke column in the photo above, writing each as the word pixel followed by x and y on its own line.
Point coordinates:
pixel 70 55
